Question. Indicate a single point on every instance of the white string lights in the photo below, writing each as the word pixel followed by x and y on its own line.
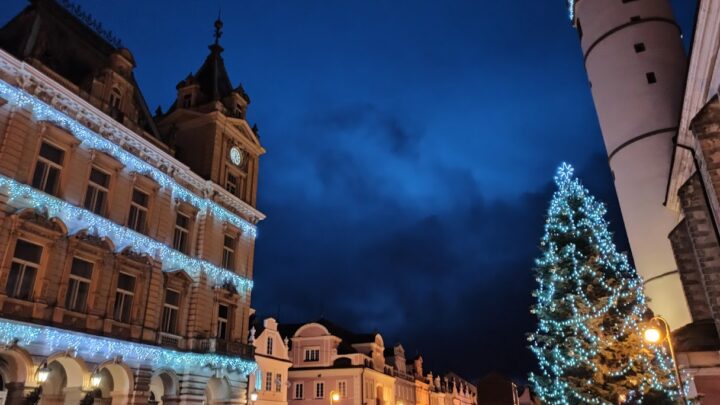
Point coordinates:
pixel 24 334
pixel 590 308
pixel 77 219
pixel 91 140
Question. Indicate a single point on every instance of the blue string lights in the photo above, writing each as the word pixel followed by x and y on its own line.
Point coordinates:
pixel 91 140
pixel 24 334
pixel 590 308
pixel 77 219
pixel 571 8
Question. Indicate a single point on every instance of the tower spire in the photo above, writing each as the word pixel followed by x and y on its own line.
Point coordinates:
pixel 218 28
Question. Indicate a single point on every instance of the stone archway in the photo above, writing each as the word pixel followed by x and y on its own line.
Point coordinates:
pixel 217 391
pixel 116 382
pixel 15 366
pixel 163 388
pixel 65 381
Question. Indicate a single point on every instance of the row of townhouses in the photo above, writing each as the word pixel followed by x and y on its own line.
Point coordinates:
pixel 319 363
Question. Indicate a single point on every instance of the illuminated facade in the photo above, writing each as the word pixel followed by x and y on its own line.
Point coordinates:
pixel 269 383
pixel 125 262
pixel 328 359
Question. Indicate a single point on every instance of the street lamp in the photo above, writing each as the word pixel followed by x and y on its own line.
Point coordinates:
pixel 95 379
pixel 43 373
pixel 653 335
pixel 334 397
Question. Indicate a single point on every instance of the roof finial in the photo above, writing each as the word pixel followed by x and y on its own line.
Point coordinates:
pixel 218 27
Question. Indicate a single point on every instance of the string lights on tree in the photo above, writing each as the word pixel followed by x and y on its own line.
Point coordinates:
pixel 591 311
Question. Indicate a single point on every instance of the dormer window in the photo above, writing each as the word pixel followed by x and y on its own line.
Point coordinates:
pixel 187 101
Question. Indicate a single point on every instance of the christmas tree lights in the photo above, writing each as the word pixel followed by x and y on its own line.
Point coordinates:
pixel 24 334
pixel 591 312
pixel 77 219
pixel 91 140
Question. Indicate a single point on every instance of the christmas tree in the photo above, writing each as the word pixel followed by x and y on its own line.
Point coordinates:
pixel 591 312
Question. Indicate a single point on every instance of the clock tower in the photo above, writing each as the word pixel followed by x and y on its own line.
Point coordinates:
pixel 207 128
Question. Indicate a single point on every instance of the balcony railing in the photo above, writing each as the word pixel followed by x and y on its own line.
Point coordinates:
pixel 169 340
pixel 214 345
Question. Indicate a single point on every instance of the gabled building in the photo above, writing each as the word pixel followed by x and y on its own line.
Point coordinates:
pixel 268 385
pixel 126 261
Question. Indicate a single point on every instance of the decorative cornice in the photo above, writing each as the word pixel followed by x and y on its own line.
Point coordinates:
pixel 26 334
pixel 51 101
pixel 78 219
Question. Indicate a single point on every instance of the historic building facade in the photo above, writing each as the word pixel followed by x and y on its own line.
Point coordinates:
pixel 269 383
pixel 333 365
pixel 126 238
pixel 663 115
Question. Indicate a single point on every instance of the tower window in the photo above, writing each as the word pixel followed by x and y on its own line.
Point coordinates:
pixel 651 77
pixel 187 100
pixel 639 47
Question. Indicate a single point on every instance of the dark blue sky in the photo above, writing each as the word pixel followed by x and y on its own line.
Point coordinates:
pixel 410 146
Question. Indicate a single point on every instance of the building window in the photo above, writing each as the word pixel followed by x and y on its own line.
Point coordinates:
pixel 97 190
pixel 278 382
pixel 269 346
pixel 319 390
pixel 639 47
pixel 268 381
pixel 231 182
pixel 47 169
pixel 299 390
pixel 222 326
pixel 170 311
pixel 312 354
pixel 78 285
pixel 138 211
pixel 187 100
pixel 342 389
pixel 228 259
pixel 651 77
pixel 115 98
pixel 182 230
pixel 23 270
pixel 124 294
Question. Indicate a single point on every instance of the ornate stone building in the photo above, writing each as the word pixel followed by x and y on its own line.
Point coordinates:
pixel 126 239
pixel 269 384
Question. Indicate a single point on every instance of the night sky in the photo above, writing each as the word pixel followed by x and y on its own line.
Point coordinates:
pixel 411 146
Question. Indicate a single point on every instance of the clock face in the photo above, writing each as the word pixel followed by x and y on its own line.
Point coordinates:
pixel 236 156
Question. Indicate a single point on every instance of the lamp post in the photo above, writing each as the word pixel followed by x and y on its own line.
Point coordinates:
pixel 655 335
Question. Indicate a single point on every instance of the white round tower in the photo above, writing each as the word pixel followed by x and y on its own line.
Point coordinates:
pixel 636 65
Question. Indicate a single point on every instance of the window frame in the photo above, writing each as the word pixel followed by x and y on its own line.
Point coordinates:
pixel 78 279
pixel 38 267
pixel 278 382
pixel 98 188
pixel 124 293
pixel 166 308
pixel 342 388
pixel 226 321
pixel 229 260
pixel 319 386
pixel 187 231
pixel 269 346
pixel 49 165
pixel 309 359
pixel 299 389
pixel 138 207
